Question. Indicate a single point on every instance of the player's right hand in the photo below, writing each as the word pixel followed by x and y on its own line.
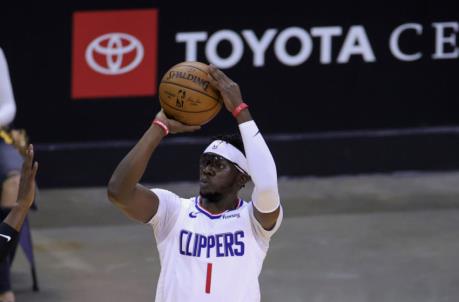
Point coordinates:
pixel 229 90
pixel 26 192
pixel 175 126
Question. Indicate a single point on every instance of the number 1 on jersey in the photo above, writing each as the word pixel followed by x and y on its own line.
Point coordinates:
pixel 209 277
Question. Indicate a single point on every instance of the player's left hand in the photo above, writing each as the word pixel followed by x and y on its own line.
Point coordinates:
pixel 175 126
pixel 20 140
pixel 26 192
pixel 229 90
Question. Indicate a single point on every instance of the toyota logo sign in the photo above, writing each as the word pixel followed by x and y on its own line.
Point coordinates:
pixel 114 53
pixel 114 48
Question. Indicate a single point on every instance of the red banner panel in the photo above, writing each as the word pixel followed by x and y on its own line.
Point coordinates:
pixel 114 53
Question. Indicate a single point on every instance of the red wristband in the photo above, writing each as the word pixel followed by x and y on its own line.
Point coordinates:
pixel 161 125
pixel 239 108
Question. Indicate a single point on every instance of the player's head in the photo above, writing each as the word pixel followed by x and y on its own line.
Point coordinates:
pixel 223 168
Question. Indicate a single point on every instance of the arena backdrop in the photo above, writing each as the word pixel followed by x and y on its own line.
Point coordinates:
pixel 346 90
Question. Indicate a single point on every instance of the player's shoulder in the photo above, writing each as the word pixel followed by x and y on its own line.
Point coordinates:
pixel 164 195
pixel 245 204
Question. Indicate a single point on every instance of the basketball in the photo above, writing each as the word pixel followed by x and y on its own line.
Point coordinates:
pixel 186 95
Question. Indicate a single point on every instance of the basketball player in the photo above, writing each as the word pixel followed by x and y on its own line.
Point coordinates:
pixel 10 169
pixel 211 246
pixel 10 227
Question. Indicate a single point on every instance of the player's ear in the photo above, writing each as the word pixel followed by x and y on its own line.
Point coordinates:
pixel 243 179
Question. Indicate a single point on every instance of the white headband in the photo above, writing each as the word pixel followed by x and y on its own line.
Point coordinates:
pixel 230 153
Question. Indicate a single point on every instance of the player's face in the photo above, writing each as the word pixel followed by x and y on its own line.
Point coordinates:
pixel 216 175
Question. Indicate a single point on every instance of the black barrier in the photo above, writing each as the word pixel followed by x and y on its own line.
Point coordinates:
pixel 320 154
pixel 311 71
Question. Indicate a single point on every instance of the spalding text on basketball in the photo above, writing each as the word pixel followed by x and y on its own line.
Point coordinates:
pixel 188 76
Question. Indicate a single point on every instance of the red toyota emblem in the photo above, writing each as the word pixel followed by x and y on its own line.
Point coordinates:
pixel 114 53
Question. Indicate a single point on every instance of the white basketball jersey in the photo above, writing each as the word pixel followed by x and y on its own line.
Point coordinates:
pixel 206 257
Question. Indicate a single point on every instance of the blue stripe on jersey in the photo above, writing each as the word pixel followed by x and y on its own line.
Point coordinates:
pixel 210 215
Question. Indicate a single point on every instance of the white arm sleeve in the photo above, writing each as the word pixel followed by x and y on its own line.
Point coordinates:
pixel 168 212
pixel 262 168
pixel 7 104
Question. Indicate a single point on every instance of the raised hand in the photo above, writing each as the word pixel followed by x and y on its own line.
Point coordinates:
pixel 175 126
pixel 229 90
pixel 26 192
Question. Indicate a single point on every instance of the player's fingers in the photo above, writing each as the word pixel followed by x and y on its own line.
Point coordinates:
pixel 30 156
pixel 28 159
pixel 212 71
pixel 191 128
pixel 213 82
pixel 185 129
pixel 34 169
pixel 217 74
pixel 182 127
pixel 218 84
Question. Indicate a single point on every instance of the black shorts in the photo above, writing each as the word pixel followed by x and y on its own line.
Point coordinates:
pixel 10 161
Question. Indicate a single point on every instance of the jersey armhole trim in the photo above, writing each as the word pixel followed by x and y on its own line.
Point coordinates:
pixel 252 221
pixel 182 209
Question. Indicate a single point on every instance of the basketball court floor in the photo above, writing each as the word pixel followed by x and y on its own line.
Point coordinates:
pixel 347 239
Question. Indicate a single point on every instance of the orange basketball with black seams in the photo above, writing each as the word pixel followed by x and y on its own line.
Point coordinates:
pixel 186 95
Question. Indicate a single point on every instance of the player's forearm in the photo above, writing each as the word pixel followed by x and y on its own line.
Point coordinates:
pixel 17 215
pixel 131 169
pixel 262 168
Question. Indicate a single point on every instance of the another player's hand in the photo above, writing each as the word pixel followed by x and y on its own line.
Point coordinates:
pixel 175 126
pixel 229 90
pixel 26 192
pixel 20 140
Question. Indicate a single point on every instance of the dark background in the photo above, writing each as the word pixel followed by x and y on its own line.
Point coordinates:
pixel 289 102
